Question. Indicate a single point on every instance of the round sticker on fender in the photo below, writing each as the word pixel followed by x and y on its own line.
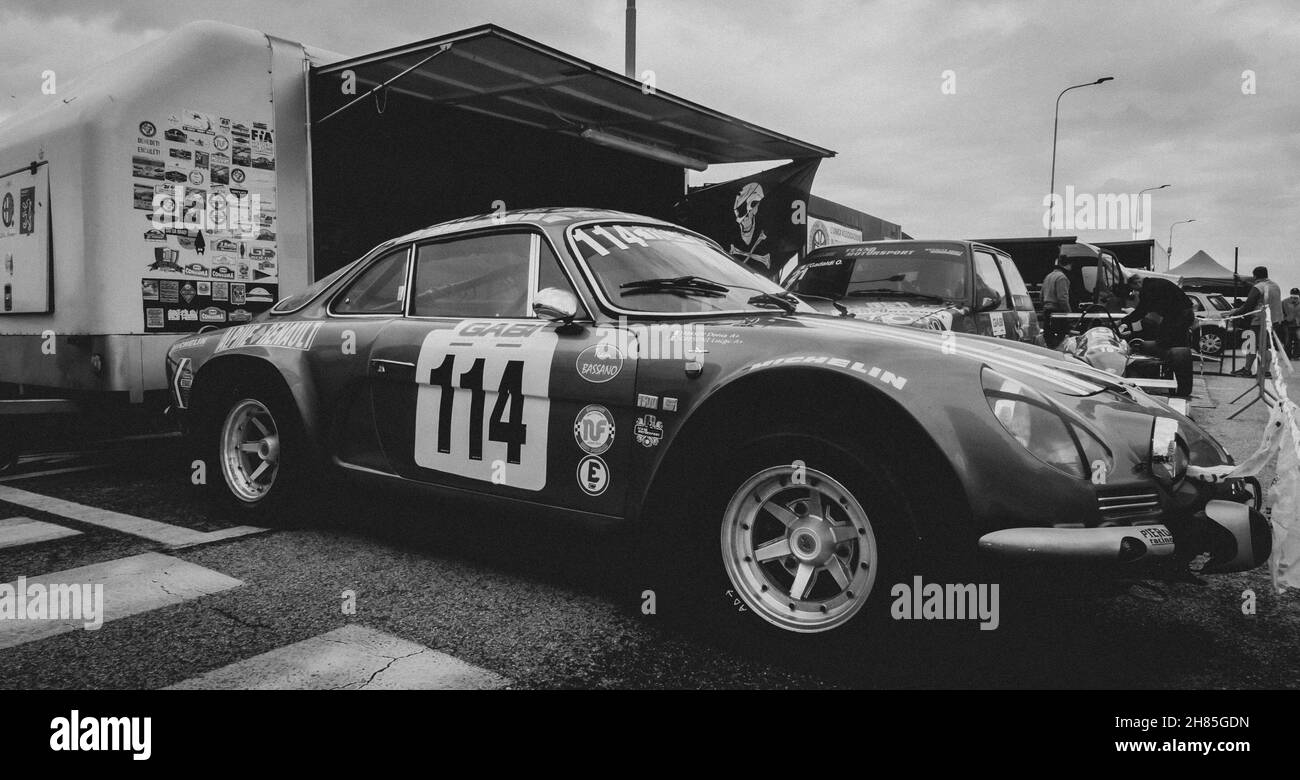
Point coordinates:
pixel 594 429
pixel 593 475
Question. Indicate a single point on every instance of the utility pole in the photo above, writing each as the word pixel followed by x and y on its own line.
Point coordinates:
pixel 629 62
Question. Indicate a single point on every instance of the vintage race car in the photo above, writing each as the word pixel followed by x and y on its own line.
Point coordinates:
pixel 567 363
pixel 962 286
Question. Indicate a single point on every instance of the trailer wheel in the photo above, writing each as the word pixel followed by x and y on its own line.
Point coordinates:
pixel 259 464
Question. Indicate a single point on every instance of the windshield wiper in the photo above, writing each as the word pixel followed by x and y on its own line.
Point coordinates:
pixel 675 284
pixel 774 299
pixel 899 293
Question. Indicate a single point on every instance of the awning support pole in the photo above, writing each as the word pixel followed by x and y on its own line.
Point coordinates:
pixel 378 87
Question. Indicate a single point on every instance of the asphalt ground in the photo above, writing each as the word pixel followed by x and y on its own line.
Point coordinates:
pixel 529 605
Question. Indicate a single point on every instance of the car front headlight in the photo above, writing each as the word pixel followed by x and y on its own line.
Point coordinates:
pixel 1169 453
pixel 1041 427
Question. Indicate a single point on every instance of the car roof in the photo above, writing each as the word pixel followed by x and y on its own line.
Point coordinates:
pixel 556 217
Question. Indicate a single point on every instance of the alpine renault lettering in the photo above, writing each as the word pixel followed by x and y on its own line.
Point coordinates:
pixel 570 362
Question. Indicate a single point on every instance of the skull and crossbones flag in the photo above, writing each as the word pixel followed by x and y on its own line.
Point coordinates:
pixel 761 220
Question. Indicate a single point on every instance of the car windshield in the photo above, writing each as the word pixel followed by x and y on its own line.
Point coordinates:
pixel 936 272
pixel 1219 302
pixel 664 270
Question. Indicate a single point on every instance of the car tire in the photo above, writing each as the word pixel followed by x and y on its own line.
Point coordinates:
pixel 253 445
pixel 1210 340
pixel 844 555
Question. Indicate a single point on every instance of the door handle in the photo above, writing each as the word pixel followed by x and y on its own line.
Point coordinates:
pixel 397 370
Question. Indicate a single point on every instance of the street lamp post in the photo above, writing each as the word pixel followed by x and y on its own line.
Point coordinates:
pixel 1138 205
pixel 1056 118
pixel 1170 250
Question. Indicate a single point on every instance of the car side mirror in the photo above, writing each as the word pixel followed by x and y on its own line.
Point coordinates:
pixel 555 305
pixel 989 304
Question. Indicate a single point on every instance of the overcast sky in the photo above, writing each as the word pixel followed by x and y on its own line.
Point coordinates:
pixel 867 80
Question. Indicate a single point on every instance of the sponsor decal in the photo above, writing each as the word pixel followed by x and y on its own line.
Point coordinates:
pixel 593 475
pixel 153 319
pixel 262 253
pixel 259 295
pixel 593 429
pixel 670 404
pixel 289 335
pixel 188 292
pixel 237 175
pixel 196 269
pixel 875 372
pixel 221 143
pixel 149 289
pixel 155 235
pixel 237 294
pixel 169 291
pixel 647 401
pixel 221 291
pixel 223 272
pixel 648 431
pixel 212 314
pixel 226 245
pixel 205 288
pixel 600 363
pixel 241 315
pixel 148 129
pixel 509 330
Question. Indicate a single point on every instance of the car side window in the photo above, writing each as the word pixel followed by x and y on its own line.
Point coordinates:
pixel 380 289
pixel 1015 285
pixel 484 276
pixel 988 280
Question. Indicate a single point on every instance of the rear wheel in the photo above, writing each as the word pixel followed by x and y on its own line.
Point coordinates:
pixel 258 463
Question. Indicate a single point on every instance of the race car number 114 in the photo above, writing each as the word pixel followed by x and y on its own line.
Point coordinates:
pixel 482 408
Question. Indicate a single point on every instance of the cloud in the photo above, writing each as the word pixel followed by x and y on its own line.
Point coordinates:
pixel 864 78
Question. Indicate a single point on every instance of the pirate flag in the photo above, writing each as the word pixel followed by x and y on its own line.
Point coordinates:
pixel 761 220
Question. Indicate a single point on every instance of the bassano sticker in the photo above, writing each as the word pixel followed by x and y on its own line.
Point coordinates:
pixel 290 335
pixel 594 429
pixel 600 363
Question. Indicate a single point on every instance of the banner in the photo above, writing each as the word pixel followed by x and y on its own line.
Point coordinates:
pixel 761 220
pixel 25 242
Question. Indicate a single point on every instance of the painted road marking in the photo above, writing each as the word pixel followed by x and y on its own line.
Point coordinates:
pixel 174 536
pixel 15 531
pixel 53 472
pixel 132 585
pixel 354 658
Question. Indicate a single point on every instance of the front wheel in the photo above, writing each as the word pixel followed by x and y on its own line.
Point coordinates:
pixel 799 548
pixel 1210 341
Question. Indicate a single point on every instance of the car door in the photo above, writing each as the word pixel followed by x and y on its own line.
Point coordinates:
pixel 1022 306
pixel 474 392
pixel 998 320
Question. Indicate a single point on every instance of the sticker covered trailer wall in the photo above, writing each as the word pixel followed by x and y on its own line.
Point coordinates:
pixel 151 198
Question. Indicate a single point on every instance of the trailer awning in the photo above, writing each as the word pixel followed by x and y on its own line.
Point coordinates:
pixel 495 72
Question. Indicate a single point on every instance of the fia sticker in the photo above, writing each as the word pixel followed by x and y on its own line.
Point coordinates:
pixel 593 475
pixel 648 431
pixel 594 429
pixel 647 401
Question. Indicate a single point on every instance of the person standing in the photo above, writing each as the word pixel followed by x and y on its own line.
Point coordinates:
pixel 1162 319
pixel 1056 300
pixel 1265 299
pixel 1291 315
